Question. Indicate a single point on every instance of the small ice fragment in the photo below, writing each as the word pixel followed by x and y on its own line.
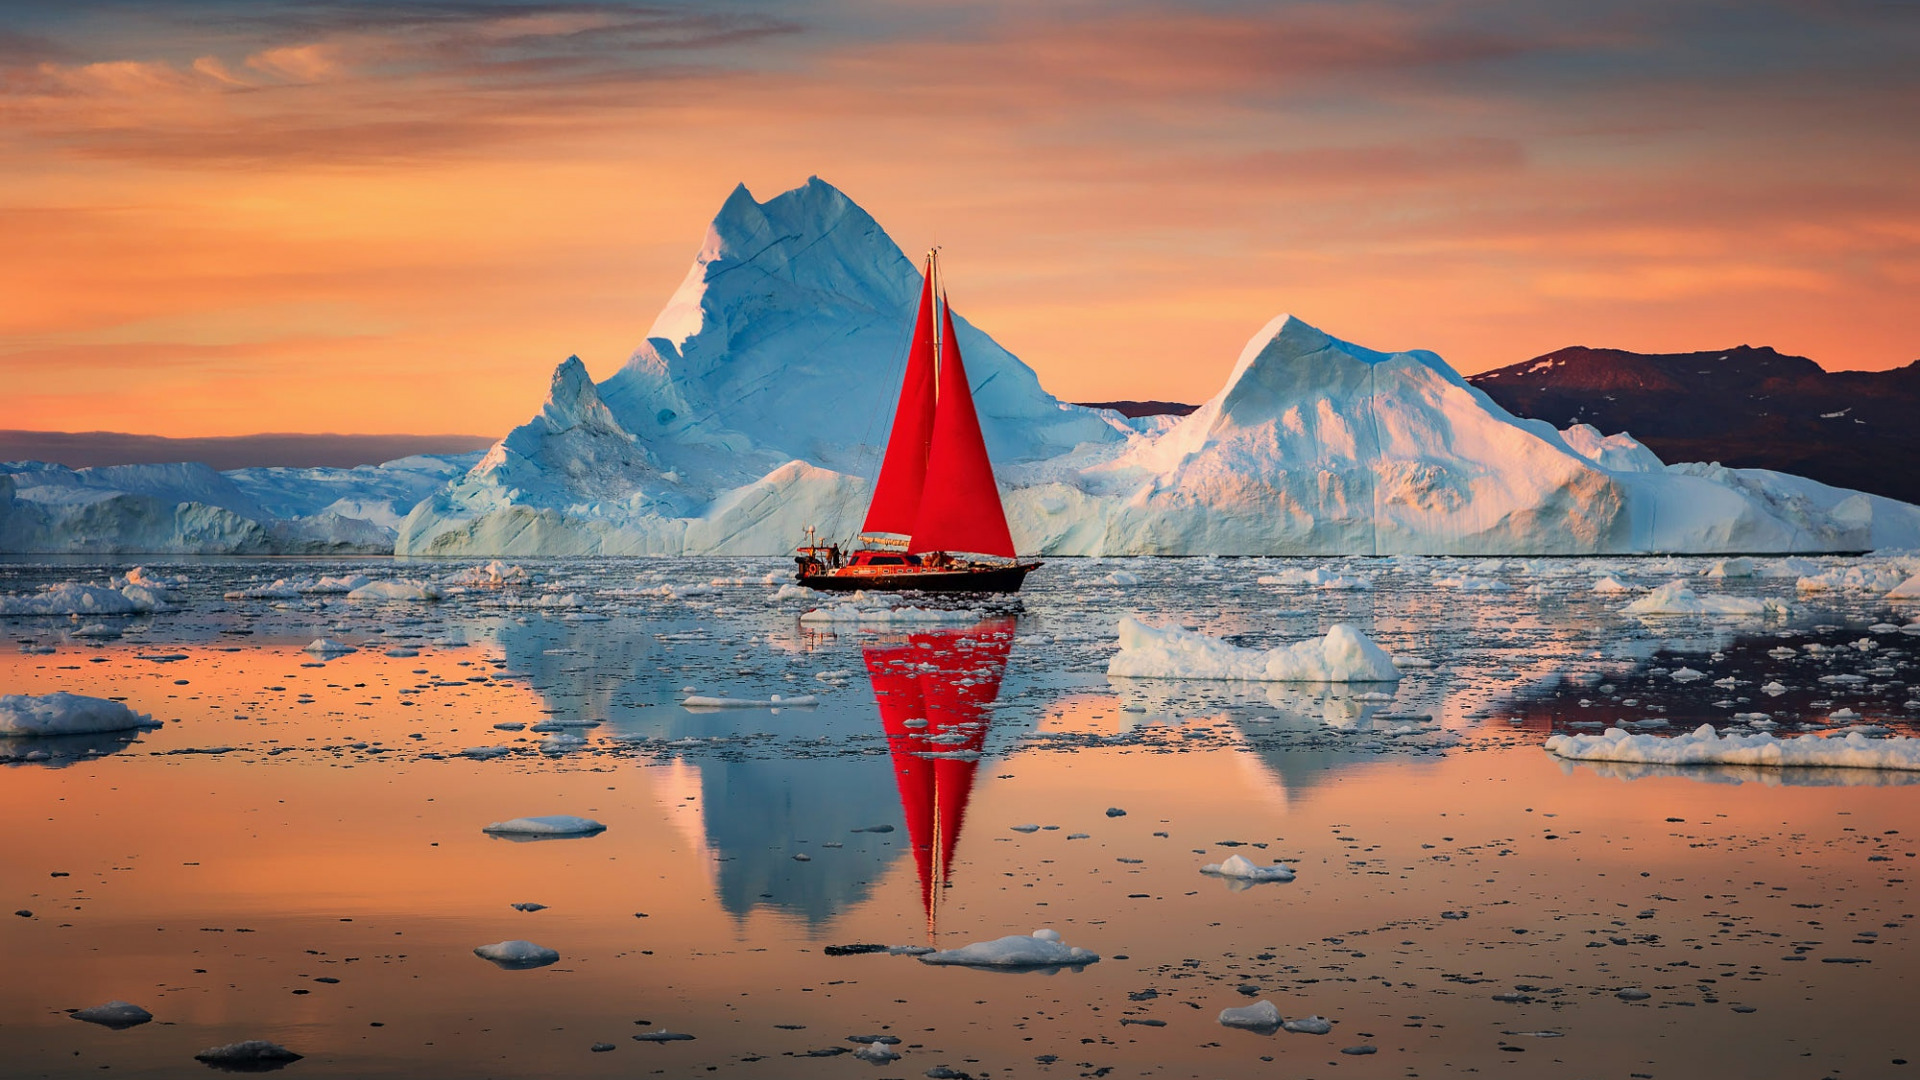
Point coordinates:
pixel 1025 828
pixel 1244 869
pixel 517 955
pixel 550 825
pixel 114 1014
pixel 1308 1025
pixel 663 1036
pixel 1041 949
pixel 1262 1016
pixel 529 905
pixel 328 647
pixel 253 1055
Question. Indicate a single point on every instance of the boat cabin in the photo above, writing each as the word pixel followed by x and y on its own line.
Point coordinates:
pixel 882 558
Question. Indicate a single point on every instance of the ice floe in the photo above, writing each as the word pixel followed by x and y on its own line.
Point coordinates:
pixel 1674 598
pixel 699 701
pixel 1041 949
pixel 1169 652
pixel 1241 868
pixel 1262 1016
pixel 61 713
pixel 397 589
pixel 517 955
pixel 552 825
pixel 73 598
pixel 1705 746
pixel 253 1055
pixel 114 1014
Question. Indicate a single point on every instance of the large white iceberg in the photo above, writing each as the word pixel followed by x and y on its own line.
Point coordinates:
pixel 762 397
pixel 1169 652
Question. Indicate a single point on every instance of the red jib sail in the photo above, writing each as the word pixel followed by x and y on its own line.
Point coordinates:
pixel 903 472
pixel 959 504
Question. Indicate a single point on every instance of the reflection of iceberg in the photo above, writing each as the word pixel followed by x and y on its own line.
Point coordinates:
pixel 756 812
pixel 1747 774
pixel 1280 721
pixel 58 751
pixel 934 690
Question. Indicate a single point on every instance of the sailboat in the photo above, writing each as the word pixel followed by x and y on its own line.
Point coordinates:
pixel 935 522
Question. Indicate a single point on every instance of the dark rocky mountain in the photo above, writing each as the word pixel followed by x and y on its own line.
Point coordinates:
pixel 1136 409
pixel 1744 407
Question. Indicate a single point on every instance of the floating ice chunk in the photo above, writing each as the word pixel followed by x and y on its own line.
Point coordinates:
pixel 1411 663
pixel 403 651
pixel 1611 584
pixel 1704 746
pixel 1344 655
pixel 485 753
pixel 1736 568
pixel 517 955
pixel 698 701
pixel 550 825
pixel 877 1052
pixel 114 1014
pixel 1244 869
pixel 1687 674
pixel 1906 590
pixel 1309 1025
pixel 790 591
pixel 1674 598
pixel 61 713
pixel 103 631
pixel 662 1035
pixel 329 647
pixel 254 1055
pixel 1317 578
pixel 1041 949
pixel 1466 583
pixel 492 575
pixel 396 589
pixel 1774 688
pixel 1123 577
pixel 73 598
pixel 1261 1016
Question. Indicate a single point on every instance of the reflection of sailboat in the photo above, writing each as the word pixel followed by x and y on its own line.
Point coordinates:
pixel 934 689
pixel 935 494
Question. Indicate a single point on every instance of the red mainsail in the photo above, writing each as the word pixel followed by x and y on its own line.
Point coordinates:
pixel 903 472
pixel 959 504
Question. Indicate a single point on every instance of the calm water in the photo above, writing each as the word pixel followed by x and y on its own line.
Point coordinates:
pixel 298 855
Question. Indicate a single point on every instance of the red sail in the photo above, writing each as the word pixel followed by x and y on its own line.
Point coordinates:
pixel 903 472
pixel 959 506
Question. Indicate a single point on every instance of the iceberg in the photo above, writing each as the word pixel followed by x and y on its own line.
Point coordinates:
pixel 188 508
pixel 759 401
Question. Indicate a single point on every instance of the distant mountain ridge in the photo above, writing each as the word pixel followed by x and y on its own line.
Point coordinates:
pixel 1745 407
pixel 88 449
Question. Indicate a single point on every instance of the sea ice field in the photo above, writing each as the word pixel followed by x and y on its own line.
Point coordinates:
pixel 1580 817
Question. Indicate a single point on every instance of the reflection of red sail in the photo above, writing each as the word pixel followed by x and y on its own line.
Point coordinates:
pixel 946 678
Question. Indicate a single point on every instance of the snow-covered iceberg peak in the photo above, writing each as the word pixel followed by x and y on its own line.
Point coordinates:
pixel 791 327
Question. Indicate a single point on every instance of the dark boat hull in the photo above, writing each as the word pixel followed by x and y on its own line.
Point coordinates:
pixel 965 579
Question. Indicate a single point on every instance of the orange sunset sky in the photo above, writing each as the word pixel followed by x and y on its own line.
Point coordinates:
pixel 223 217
